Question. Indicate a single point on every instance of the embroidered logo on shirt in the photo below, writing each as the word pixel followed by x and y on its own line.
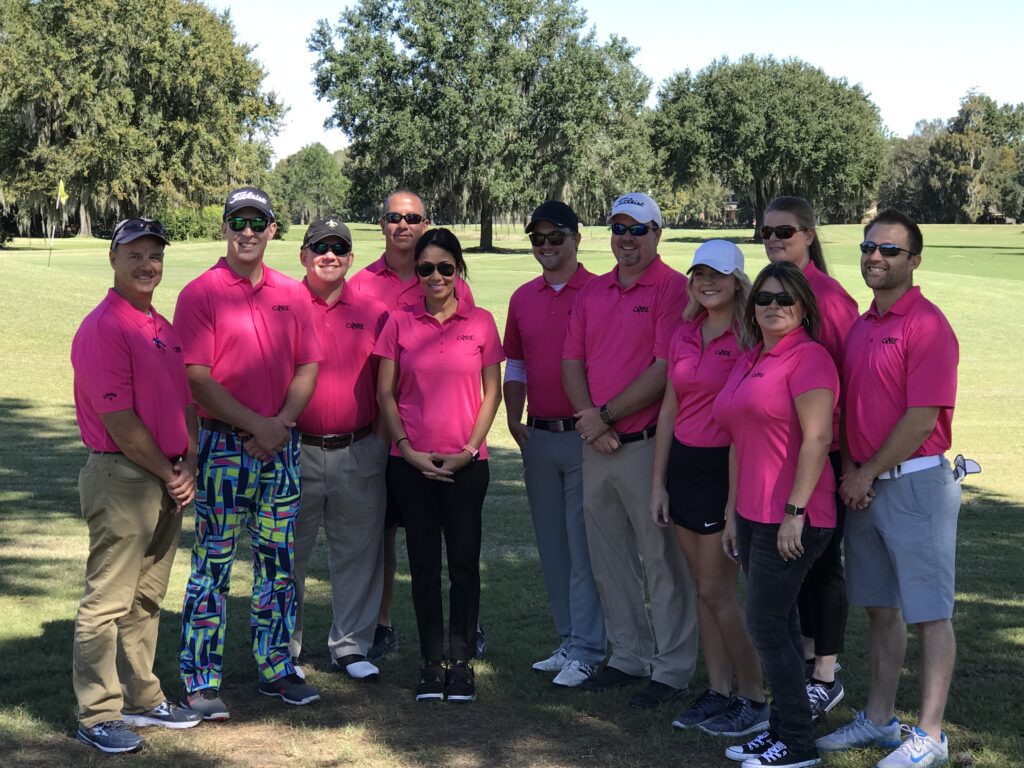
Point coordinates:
pixel 466 337
pixel 890 340
pixel 178 350
pixel 757 375
pixel 355 326
pixel 641 308
pixel 110 396
pixel 723 353
pixel 281 308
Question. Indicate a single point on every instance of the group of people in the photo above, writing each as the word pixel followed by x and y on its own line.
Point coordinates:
pixel 673 431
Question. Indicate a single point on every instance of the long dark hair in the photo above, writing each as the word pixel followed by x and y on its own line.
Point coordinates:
pixel 446 240
pixel 804 214
pixel 793 282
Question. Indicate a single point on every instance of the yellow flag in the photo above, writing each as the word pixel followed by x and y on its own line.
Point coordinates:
pixel 62 195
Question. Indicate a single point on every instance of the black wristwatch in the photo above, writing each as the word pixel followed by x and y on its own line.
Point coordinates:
pixel 793 510
pixel 606 415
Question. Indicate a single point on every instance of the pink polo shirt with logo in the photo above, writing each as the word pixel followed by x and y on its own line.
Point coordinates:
pixel 252 337
pixel 382 283
pixel 125 359
pixel 439 389
pixel 618 332
pixel 345 398
pixel 697 374
pixel 906 358
pixel 756 408
pixel 538 317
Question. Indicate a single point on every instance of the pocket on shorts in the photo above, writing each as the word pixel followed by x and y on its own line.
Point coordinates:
pixel 123 470
pixel 935 492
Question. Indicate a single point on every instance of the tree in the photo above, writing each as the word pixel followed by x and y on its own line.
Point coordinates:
pixel 134 103
pixel 310 184
pixel 486 107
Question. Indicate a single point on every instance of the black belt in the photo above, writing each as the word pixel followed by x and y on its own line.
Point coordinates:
pixel 216 425
pixel 551 425
pixel 333 442
pixel 635 437
pixel 106 453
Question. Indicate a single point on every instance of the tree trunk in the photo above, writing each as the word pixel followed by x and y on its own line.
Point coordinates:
pixel 760 203
pixel 84 221
pixel 486 224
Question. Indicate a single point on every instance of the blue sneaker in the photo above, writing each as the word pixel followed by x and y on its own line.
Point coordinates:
pixel 111 737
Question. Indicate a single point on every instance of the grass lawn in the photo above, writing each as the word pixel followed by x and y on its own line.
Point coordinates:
pixel 975 273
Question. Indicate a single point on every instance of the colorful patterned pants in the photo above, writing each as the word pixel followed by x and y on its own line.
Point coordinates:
pixel 233 489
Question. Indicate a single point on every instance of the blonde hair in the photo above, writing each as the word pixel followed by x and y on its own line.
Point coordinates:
pixel 739 301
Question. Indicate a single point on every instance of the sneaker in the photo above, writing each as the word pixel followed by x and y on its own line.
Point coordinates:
pixel 384 642
pixel 779 755
pixel 553 663
pixel 823 697
pixel 655 693
pixel 574 674
pixel 481 642
pixel 918 751
pixel 300 668
pixel 431 687
pixel 166 715
pixel 702 709
pixel 205 701
pixel 861 732
pixel 741 718
pixel 291 689
pixel 753 748
pixel 111 737
pixel 356 667
pixel 460 683
pixel 609 677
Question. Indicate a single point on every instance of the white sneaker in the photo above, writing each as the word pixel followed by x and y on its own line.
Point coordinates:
pixel 574 673
pixel 861 732
pixel 918 751
pixel 553 663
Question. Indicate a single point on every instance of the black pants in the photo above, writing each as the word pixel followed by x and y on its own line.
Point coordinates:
pixel 429 507
pixel 823 606
pixel 772 588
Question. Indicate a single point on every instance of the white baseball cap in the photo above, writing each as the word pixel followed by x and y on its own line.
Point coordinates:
pixel 721 255
pixel 638 205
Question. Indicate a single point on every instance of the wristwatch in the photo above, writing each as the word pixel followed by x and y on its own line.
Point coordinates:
pixel 474 453
pixel 793 510
pixel 606 415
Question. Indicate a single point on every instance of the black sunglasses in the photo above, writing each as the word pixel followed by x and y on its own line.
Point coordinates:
pixel 636 230
pixel 765 299
pixel 783 231
pixel 555 238
pixel 411 218
pixel 338 249
pixel 239 223
pixel 426 268
pixel 139 225
pixel 886 249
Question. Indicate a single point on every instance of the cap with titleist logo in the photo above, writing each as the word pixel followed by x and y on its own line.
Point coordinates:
pixel 639 206
pixel 556 212
pixel 249 197
pixel 721 255
pixel 130 230
pixel 321 229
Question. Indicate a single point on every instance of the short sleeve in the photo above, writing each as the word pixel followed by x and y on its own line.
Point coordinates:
pixel 670 313
pixel 813 368
pixel 103 367
pixel 491 352
pixel 308 349
pixel 513 343
pixel 575 346
pixel 933 354
pixel 194 323
pixel 387 341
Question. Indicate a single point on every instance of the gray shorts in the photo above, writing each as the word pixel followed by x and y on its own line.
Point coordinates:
pixel 901 550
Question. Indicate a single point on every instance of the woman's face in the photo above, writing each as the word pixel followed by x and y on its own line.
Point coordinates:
pixel 774 320
pixel 436 286
pixel 711 288
pixel 794 249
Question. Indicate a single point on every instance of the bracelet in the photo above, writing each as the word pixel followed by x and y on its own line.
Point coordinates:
pixel 398 442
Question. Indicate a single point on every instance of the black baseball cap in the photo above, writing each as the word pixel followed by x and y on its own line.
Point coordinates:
pixel 558 213
pixel 249 197
pixel 321 229
pixel 132 229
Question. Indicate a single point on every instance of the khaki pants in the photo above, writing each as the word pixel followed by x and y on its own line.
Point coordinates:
pixel 133 537
pixel 626 546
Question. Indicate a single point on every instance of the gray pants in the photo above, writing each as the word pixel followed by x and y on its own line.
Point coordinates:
pixel 552 469
pixel 344 490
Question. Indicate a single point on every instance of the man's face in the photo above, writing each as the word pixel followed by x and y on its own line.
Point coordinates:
pixel 553 257
pixel 401 235
pixel 326 269
pixel 883 273
pixel 138 267
pixel 634 252
pixel 247 246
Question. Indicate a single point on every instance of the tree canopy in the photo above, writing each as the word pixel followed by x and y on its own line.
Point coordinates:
pixel 310 184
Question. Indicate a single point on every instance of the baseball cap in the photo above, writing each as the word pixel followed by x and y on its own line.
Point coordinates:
pixel 249 197
pixel 556 212
pixel 721 255
pixel 321 229
pixel 132 229
pixel 638 205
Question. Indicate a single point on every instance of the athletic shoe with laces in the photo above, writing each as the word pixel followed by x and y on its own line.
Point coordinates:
pixel 384 642
pixel 481 642
pixel 431 687
pixel 460 683
pixel 553 663
pixel 919 750
pixel 205 701
pixel 166 715
pixel 756 747
pixel 575 673
pixel 702 709
pixel 859 733
pixel 742 717
pixel 778 755
pixel 823 697
pixel 111 737
pixel 291 689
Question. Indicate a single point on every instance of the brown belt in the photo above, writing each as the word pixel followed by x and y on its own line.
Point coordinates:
pixel 333 442
pixel 551 425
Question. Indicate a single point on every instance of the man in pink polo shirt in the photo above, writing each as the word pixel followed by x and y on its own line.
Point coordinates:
pixel 343 458
pixel 538 315
pixel 136 418
pixel 251 354
pixel 899 390
pixel 614 370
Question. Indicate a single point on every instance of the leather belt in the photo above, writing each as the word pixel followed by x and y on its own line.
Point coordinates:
pixel 106 453
pixel 334 442
pixel 635 437
pixel 215 425
pixel 911 465
pixel 551 425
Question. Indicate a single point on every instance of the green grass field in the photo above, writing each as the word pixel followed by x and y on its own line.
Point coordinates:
pixel 975 273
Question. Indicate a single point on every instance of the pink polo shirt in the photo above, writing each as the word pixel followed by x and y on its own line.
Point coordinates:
pixel 538 317
pixel 382 283
pixel 619 332
pixel 906 358
pixel 756 408
pixel 125 359
pixel 439 388
pixel 251 337
pixel 345 398
pixel 697 374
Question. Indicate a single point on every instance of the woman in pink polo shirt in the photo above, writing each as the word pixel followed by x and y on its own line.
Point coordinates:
pixel 790 234
pixel 690 487
pixel 777 409
pixel 436 358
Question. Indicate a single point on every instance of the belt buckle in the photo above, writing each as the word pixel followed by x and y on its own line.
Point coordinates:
pixel 896 472
pixel 556 425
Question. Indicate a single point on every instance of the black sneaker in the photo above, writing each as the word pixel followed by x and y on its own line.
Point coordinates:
pixel 431 687
pixel 384 642
pixel 291 689
pixel 166 715
pixel 702 709
pixel 741 718
pixel 460 683
pixel 205 701
pixel 823 697
pixel 610 677
pixel 778 755
pixel 656 693
pixel 111 737
pixel 756 747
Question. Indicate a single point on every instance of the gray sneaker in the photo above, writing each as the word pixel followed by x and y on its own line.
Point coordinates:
pixel 703 708
pixel 291 689
pixel 861 732
pixel 111 737
pixel 205 701
pixel 739 719
pixel 167 715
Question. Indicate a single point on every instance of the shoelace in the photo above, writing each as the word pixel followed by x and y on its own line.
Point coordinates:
pixel 111 726
pixel 704 701
pixel 757 741
pixel 583 667
pixel 915 743
pixel 775 751
pixel 818 695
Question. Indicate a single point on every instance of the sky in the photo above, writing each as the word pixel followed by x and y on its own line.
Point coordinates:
pixel 914 59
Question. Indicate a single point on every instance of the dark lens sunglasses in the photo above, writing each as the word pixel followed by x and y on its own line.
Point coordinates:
pixel 783 231
pixel 410 218
pixel 239 223
pixel 636 230
pixel 886 249
pixel 765 299
pixel 338 249
pixel 555 238
pixel 139 225
pixel 426 268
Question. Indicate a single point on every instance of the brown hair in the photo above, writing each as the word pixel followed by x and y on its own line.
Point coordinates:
pixel 804 214
pixel 793 282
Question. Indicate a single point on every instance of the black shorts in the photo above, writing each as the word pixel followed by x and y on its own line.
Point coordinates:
pixel 698 487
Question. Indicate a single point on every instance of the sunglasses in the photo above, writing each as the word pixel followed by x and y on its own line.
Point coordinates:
pixel 338 249
pixel 139 225
pixel 886 249
pixel 239 223
pixel 555 238
pixel 636 230
pixel 765 299
pixel 410 218
pixel 426 268
pixel 783 231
